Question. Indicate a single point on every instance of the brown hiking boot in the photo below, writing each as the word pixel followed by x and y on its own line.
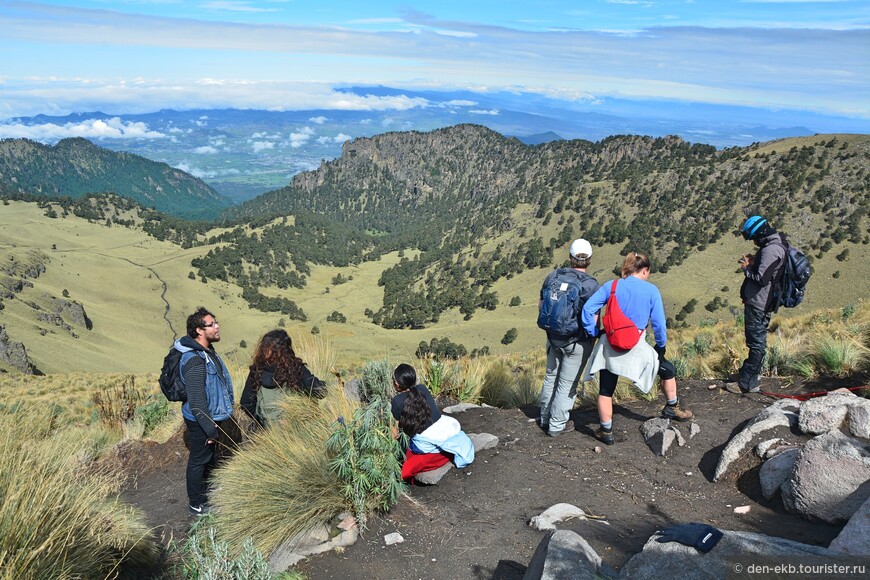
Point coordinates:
pixel 676 413
pixel 605 436
pixel 569 426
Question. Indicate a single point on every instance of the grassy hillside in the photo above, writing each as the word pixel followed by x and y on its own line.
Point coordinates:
pixel 75 167
pixel 117 274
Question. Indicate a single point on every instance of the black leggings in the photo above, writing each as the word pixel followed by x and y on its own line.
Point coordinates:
pixel 607 380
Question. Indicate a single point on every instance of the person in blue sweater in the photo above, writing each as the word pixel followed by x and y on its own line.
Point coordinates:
pixel 641 302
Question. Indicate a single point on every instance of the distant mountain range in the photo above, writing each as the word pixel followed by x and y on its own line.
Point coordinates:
pixel 242 153
pixel 76 167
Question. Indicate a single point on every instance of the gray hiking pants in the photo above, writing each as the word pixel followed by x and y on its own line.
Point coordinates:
pixel 564 366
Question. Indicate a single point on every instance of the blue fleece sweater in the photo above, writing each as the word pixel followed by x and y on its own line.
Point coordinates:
pixel 638 299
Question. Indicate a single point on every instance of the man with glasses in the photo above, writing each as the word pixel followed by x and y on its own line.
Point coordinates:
pixel 209 401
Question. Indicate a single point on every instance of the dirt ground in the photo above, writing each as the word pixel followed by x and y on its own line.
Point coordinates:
pixel 474 523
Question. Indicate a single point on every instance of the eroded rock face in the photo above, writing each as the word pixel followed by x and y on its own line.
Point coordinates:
pixel 14 353
pixel 830 480
pixel 72 311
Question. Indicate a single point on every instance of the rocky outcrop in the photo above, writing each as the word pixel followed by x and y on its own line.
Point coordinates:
pixel 14 353
pixel 831 478
pixel 72 311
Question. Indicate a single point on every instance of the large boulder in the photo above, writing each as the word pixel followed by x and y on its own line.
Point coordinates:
pixel 822 414
pixel 854 538
pixel 673 560
pixel 565 555
pixel 859 418
pixel 777 470
pixel 831 478
pixel 783 413
pixel 13 353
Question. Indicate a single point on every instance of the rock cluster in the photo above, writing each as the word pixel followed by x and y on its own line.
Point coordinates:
pixel 14 353
pixel 825 479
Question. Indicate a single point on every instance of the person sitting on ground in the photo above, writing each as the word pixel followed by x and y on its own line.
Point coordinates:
pixel 642 303
pixel 275 372
pixel 434 439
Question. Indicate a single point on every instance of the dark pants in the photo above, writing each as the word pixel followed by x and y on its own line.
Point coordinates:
pixel 755 323
pixel 200 463
pixel 607 380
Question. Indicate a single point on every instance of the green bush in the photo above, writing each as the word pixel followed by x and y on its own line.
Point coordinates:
pixel 153 414
pixel 204 556
pixel 366 459
pixel 377 380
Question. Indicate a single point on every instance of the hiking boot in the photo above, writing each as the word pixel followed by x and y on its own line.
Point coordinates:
pixel 605 436
pixel 569 426
pixel 736 389
pixel 676 413
pixel 199 510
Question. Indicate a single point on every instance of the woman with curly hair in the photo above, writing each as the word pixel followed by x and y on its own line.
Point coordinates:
pixel 275 372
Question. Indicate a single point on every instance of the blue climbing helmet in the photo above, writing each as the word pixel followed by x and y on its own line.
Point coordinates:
pixel 752 226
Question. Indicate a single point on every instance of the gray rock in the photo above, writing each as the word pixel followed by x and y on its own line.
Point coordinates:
pixel 434 476
pixel 673 560
pixel 694 429
pixel 72 311
pixel 14 354
pixel 482 441
pixel 854 538
pixel 393 538
pixel 53 319
pixel 296 549
pixel 859 418
pixel 830 480
pixel 823 414
pixel 351 390
pixel 776 415
pixel 762 448
pixel 776 470
pixel 564 555
pixel 557 513
pixel 459 408
pixel 660 434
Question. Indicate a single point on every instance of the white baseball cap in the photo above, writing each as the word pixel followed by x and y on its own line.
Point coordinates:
pixel 580 248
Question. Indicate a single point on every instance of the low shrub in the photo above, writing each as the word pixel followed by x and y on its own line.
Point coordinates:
pixel 203 555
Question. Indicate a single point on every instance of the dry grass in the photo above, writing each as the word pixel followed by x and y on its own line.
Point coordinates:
pixel 280 484
pixel 57 521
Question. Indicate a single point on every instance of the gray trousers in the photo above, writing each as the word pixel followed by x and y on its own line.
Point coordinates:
pixel 564 366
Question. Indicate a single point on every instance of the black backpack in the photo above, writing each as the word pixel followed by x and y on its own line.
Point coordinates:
pixel 561 302
pixel 170 377
pixel 795 275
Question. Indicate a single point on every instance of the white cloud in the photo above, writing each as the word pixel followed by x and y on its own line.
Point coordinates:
pixel 318 120
pixel 299 138
pixel 460 103
pixel 492 112
pixel 338 139
pixel 258 146
pixel 205 149
pixel 233 6
pixel 205 173
pixel 112 128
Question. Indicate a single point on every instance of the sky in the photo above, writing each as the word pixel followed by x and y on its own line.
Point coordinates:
pixel 137 56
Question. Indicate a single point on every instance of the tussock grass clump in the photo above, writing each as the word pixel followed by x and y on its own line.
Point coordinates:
pixel 504 388
pixel 840 356
pixel 280 483
pixel 57 520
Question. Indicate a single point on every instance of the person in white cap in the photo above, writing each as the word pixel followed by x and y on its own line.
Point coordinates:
pixel 563 294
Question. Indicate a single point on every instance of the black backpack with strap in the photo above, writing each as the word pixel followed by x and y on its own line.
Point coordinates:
pixel 171 384
pixel 796 273
pixel 561 303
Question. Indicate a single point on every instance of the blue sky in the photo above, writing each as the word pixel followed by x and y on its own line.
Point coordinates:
pixel 129 56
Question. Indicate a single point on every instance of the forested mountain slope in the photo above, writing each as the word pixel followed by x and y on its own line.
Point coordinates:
pixel 75 167
pixel 481 207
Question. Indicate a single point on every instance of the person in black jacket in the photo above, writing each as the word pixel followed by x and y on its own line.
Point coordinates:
pixel 762 275
pixel 276 366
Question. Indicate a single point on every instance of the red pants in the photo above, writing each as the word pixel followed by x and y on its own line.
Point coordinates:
pixel 419 462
